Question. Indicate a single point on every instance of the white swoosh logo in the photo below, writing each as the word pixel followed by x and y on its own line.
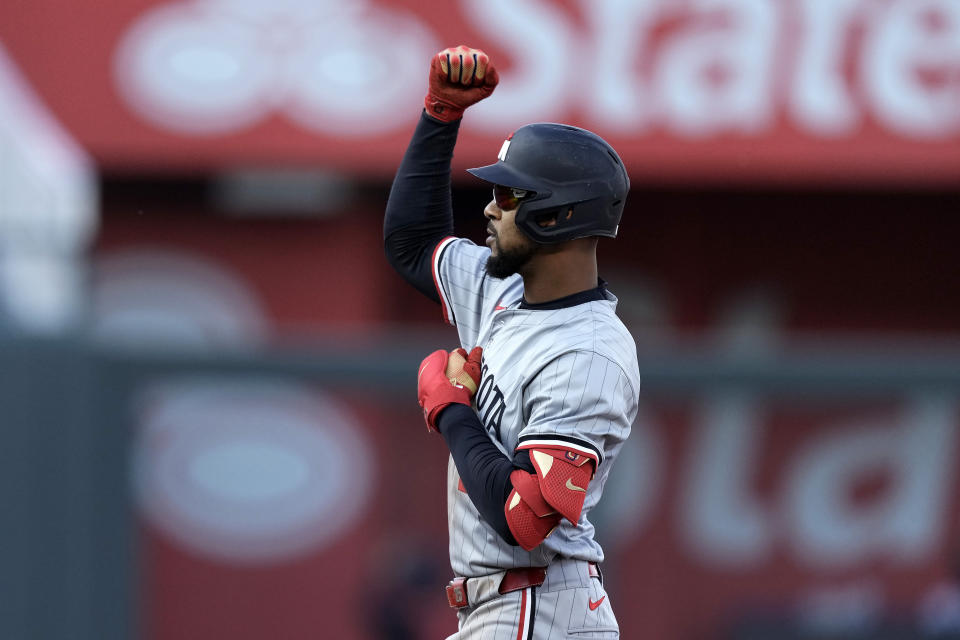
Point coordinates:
pixel 574 487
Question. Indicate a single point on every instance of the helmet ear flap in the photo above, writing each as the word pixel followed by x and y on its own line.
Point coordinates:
pixel 554 224
pixel 537 223
pixel 552 217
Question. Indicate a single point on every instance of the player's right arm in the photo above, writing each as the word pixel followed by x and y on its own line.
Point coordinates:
pixel 419 213
pixel 524 498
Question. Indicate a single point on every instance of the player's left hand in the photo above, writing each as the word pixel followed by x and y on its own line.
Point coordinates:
pixel 446 378
pixel 459 77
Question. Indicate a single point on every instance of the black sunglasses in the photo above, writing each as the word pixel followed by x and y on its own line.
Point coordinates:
pixel 508 198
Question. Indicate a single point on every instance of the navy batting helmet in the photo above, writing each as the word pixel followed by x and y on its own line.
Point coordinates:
pixel 576 180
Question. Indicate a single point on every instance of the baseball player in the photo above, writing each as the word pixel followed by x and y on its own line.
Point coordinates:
pixel 555 370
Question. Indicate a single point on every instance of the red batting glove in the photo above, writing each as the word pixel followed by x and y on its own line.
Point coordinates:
pixel 436 391
pixel 459 77
pixel 473 363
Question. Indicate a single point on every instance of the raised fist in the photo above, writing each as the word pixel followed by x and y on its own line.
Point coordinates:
pixel 459 77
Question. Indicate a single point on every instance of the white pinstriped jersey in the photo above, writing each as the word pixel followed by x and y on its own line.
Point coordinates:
pixel 566 377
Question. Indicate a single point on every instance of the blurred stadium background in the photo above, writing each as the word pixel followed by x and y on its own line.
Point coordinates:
pixel 208 403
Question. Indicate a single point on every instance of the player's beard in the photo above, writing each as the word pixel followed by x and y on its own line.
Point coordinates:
pixel 506 262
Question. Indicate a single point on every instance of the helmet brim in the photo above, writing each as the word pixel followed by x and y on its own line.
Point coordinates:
pixel 501 173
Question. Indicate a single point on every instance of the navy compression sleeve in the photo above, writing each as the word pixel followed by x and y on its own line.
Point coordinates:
pixel 484 470
pixel 419 211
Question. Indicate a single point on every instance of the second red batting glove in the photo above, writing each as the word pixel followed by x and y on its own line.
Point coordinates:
pixel 437 386
pixel 459 77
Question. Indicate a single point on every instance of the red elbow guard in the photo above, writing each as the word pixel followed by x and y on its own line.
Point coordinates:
pixel 564 476
pixel 540 500
pixel 529 516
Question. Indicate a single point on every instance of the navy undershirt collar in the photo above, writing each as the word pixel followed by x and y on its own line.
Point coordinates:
pixel 597 293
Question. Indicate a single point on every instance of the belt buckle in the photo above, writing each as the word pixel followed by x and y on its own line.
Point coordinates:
pixel 457 593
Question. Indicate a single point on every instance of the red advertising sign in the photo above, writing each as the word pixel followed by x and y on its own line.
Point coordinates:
pixel 277 506
pixel 753 90
pixel 274 509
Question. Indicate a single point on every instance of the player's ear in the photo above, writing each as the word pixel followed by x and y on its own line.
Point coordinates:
pixel 549 219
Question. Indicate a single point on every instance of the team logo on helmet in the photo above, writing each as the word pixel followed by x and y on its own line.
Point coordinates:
pixel 502 156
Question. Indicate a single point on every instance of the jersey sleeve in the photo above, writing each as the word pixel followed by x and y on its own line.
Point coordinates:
pixel 465 289
pixel 582 402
